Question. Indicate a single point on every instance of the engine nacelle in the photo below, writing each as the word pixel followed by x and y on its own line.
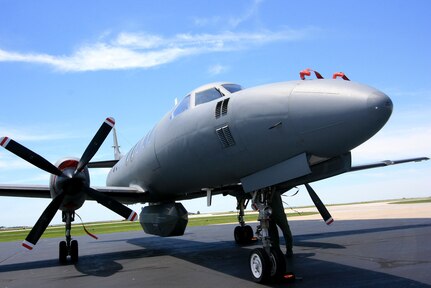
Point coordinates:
pixel 75 197
pixel 169 219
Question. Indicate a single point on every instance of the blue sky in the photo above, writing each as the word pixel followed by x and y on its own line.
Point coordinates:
pixel 67 65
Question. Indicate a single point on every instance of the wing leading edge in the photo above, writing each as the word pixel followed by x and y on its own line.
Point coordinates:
pixel 130 195
pixel 124 195
pixel 386 163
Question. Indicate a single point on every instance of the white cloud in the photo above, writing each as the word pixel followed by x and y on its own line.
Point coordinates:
pixel 210 21
pixel 142 50
pixel 16 164
pixel 32 134
pixel 229 20
pixel 217 69
pixel 40 178
pixel 139 40
pixel 249 13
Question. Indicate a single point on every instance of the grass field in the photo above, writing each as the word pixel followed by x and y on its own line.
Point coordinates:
pixel 412 201
pixel 124 226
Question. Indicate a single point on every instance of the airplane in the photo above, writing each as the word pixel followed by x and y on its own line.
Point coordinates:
pixel 219 139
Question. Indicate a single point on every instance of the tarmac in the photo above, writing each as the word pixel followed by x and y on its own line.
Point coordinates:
pixel 368 245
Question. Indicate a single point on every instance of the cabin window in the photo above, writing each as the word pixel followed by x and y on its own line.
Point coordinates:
pixel 182 106
pixel 206 96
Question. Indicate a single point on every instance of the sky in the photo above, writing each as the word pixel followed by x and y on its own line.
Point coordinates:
pixel 67 65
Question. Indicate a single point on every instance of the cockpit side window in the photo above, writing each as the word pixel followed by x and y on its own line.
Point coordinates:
pixel 232 88
pixel 183 106
pixel 206 96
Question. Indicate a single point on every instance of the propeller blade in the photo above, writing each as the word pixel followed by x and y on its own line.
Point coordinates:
pixel 112 204
pixel 29 156
pixel 95 143
pixel 319 205
pixel 43 222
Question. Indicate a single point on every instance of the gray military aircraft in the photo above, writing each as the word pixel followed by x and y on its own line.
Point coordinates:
pixel 220 139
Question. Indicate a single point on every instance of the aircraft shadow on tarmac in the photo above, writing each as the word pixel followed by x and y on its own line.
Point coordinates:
pixel 228 258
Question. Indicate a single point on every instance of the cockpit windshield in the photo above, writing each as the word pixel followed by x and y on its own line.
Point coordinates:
pixel 183 106
pixel 207 96
pixel 232 88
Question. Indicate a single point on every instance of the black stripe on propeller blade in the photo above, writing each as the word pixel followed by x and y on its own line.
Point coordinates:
pixel 29 156
pixel 43 222
pixel 319 204
pixel 95 143
pixel 112 204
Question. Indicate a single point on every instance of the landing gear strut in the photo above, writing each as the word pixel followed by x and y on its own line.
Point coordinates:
pixel 267 263
pixel 243 233
pixel 68 247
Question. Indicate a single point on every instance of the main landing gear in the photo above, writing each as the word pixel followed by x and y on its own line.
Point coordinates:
pixel 68 247
pixel 267 264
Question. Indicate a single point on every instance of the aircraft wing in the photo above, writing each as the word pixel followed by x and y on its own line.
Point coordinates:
pixel 102 164
pixel 129 195
pixel 32 191
pixel 386 163
pixel 126 195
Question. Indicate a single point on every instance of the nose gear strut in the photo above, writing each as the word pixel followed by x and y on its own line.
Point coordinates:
pixel 266 263
pixel 68 247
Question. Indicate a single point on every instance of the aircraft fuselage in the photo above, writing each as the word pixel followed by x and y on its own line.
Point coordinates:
pixel 239 134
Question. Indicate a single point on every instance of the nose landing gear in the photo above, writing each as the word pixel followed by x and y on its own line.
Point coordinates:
pixel 68 247
pixel 267 264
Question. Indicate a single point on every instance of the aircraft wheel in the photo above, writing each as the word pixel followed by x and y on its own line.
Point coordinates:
pixel 237 234
pixel 243 234
pixel 74 251
pixel 260 265
pixel 62 252
pixel 248 233
pixel 278 264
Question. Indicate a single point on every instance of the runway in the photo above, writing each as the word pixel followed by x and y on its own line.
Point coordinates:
pixel 387 251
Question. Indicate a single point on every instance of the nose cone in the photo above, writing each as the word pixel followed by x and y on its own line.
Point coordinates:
pixel 379 107
pixel 333 117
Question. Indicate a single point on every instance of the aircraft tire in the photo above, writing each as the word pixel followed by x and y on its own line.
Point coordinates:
pixel 243 234
pixel 74 251
pixel 249 233
pixel 278 264
pixel 260 265
pixel 62 252
pixel 237 234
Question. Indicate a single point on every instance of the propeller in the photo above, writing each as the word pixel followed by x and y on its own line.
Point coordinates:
pixel 319 205
pixel 43 222
pixel 112 204
pixel 29 156
pixel 68 181
pixel 95 143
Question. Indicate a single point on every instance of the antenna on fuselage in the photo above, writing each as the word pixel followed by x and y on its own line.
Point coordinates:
pixel 117 153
